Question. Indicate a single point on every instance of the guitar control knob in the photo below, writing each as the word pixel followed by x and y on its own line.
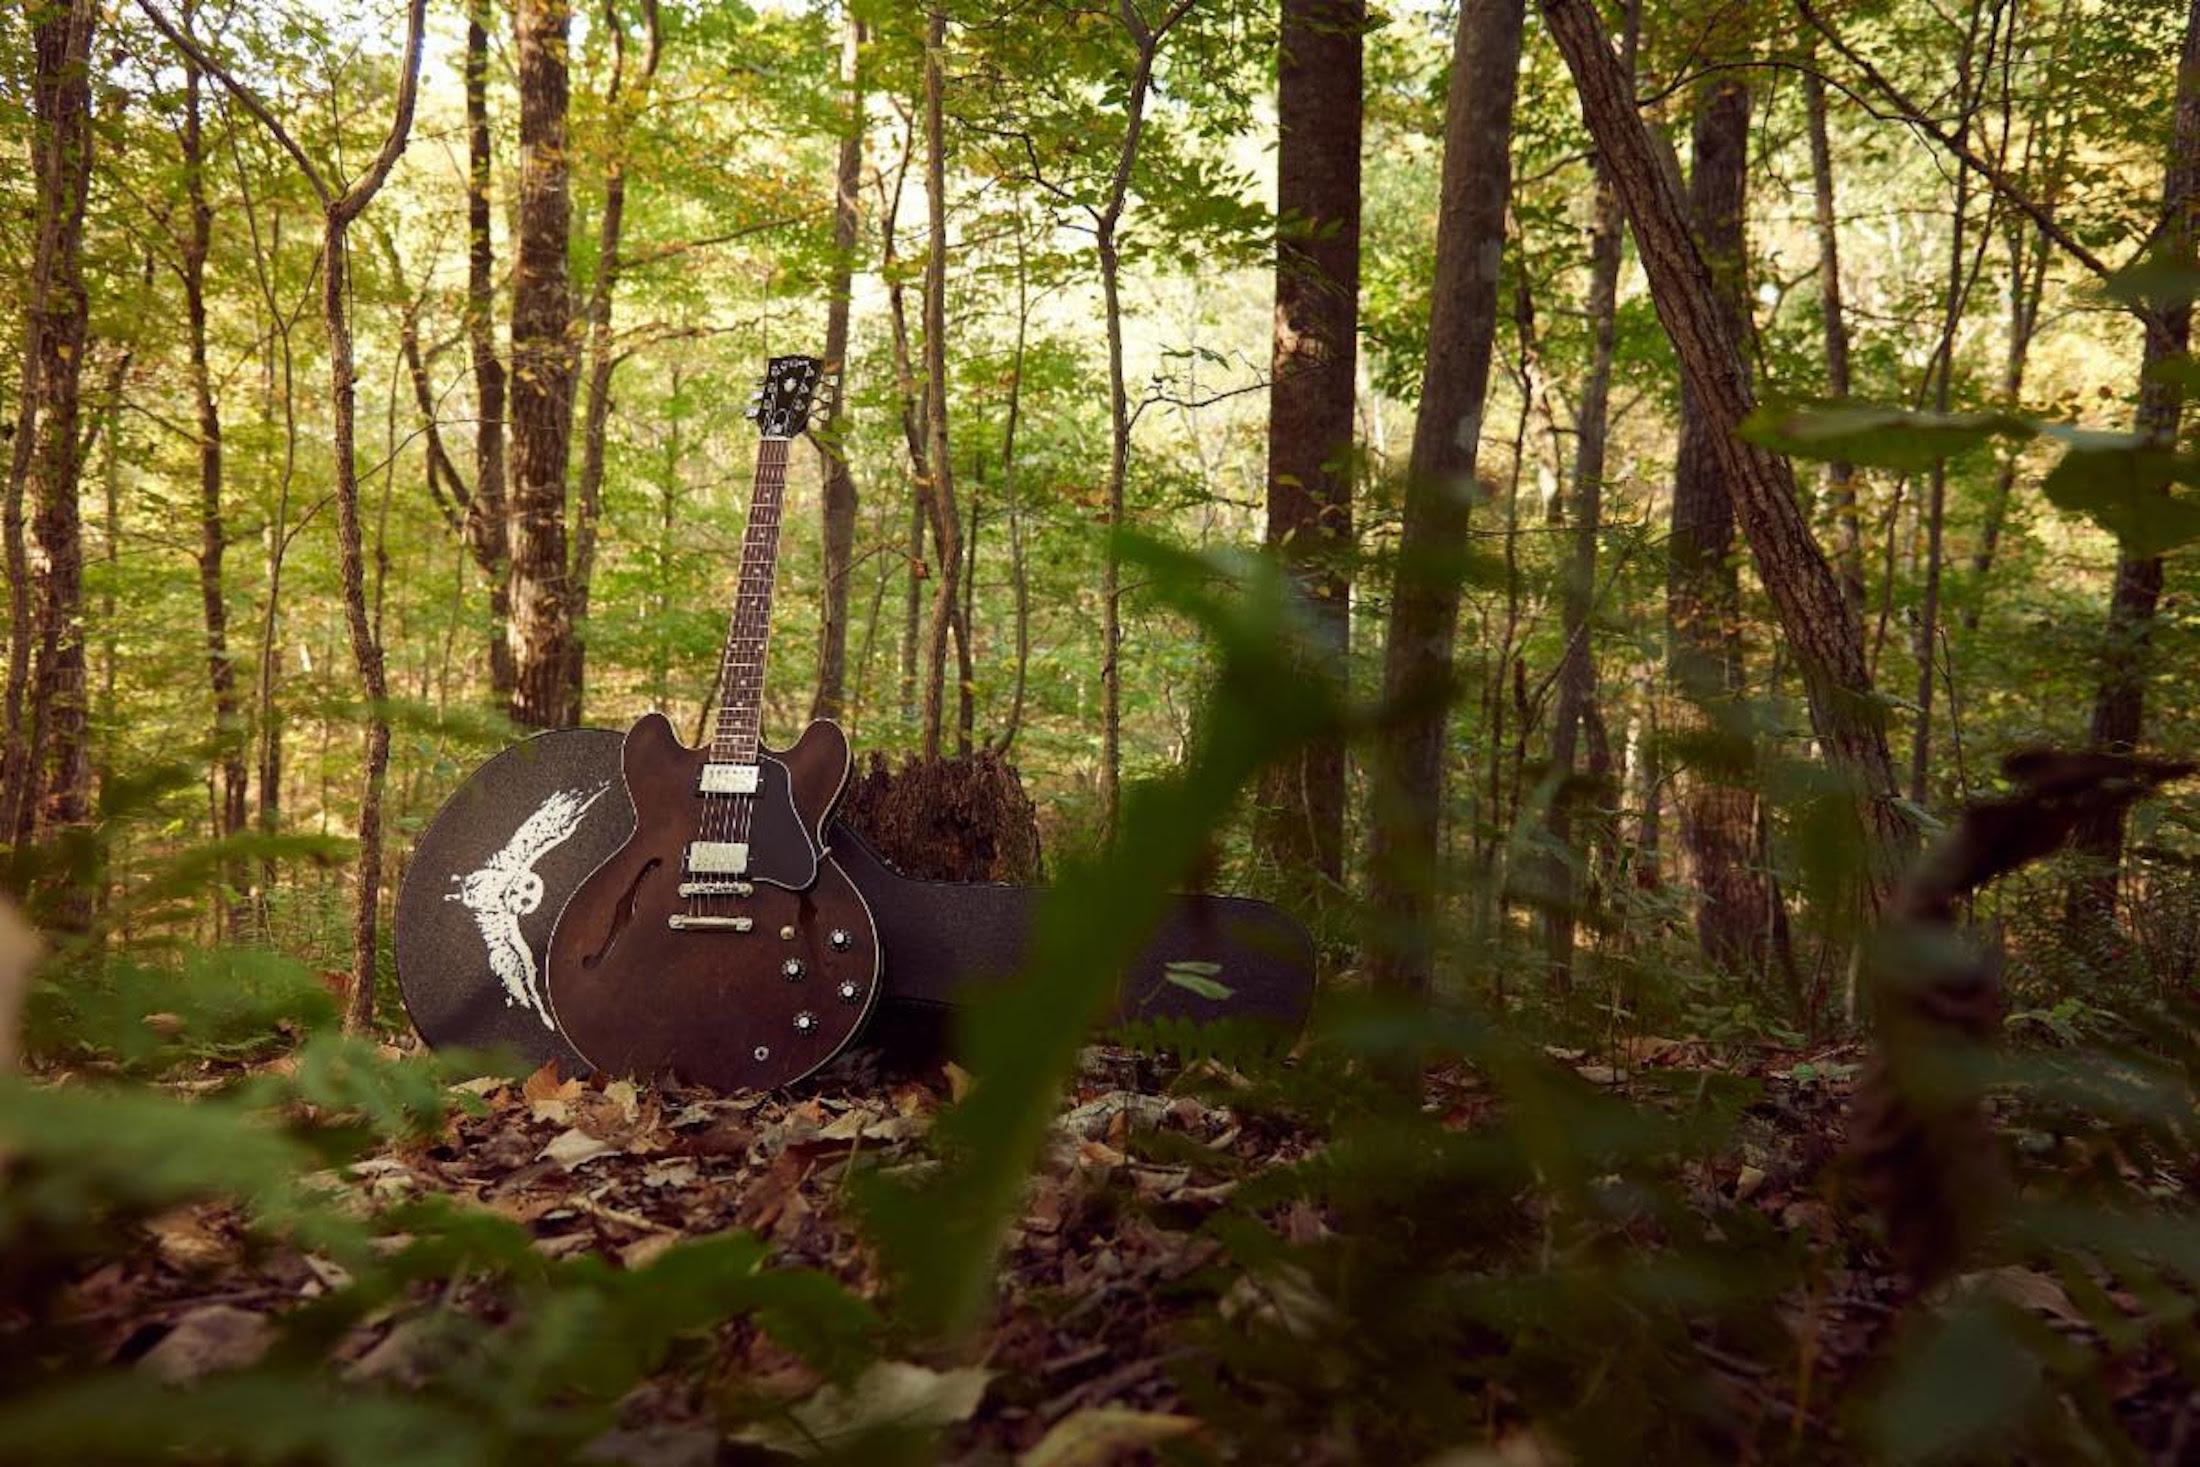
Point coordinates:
pixel 786 934
pixel 762 1052
pixel 841 939
pixel 849 990
pixel 805 1022
pixel 792 970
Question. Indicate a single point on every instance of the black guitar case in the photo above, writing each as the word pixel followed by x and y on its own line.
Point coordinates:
pixel 489 874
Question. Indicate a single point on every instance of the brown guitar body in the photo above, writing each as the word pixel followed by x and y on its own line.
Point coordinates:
pixel 757 989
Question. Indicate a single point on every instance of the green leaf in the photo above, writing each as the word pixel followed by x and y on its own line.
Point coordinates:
pixel 1956 1390
pixel 2154 281
pixel 1876 437
pixel 1198 978
pixel 2121 482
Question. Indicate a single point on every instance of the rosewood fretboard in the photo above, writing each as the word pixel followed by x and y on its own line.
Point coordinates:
pixel 748 635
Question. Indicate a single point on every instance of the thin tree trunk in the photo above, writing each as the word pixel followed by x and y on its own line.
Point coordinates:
pixel 602 360
pixel 488 514
pixel 1848 530
pixel 1954 295
pixel 939 460
pixel 230 734
pixel 1441 487
pixel 837 501
pixel 1312 401
pixel 1107 219
pixel 2027 288
pixel 340 209
pixel 1703 594
pixel 1010 488
pixel 542 373
pixel 1577 671
pixel 1813 610
pixel 52 788
pixel 2119 706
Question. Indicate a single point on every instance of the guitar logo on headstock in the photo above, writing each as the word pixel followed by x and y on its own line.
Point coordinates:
pixel 792 386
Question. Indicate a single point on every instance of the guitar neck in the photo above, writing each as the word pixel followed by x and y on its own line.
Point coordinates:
pixel 748 634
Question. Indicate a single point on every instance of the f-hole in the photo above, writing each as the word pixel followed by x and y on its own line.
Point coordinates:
pixel 623 913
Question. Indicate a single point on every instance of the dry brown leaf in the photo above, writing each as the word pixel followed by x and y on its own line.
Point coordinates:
pixel 891 1394
pixel 575 1148
pixel 214 1337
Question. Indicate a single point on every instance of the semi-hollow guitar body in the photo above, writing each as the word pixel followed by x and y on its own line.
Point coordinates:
pixel 722 942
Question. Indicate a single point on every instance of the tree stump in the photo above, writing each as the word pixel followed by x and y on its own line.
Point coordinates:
pixel 959 819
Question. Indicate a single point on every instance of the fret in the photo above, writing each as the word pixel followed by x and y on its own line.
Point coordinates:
pixel 748 634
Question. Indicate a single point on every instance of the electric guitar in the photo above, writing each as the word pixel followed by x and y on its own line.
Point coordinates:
pixel 722 941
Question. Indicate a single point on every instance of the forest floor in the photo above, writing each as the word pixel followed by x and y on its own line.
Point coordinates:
pixel 1088 1315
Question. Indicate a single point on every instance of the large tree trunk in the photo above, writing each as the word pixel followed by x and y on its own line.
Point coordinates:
pixel 1577 669
pixel 2119 707
pixel 602 360
pixel 939 465
pixel 488 528
pixel 1718 814
pixel 1820 626
pixel 1313 398
pixel 1440 484
pixel 837 508
pixel 51 788
pixel 230 736
pixel 542 374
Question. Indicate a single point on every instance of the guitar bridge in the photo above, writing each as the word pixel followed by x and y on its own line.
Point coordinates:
pixel 682 922
pixel 716 888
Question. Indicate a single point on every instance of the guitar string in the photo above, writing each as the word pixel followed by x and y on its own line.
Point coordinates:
pixel 730 816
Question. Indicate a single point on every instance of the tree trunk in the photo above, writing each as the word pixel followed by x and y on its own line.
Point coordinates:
pixel 1703 594
pixel 1440 484
pixel 838 505
pixel 2119 706
pixel 2027 288
pixel 488 527
pixel 939 462
pixel 1577 669
pixel 51 790
pixel 1848 530
pixel 602 360
pixel 1815 617
pixel 1312 400
pixel 230 734
pixel 542 374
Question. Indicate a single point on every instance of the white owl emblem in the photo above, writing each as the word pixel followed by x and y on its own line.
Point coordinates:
pixel 508 888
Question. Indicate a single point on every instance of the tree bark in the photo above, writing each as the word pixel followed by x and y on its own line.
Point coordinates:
pixel 488 527
pixel 602 359
pixel 542 373
pixel 50 790
pixel 1820 627
pixel 2119 705
pixel 1313 400
pixel 1703 593
pixel 1440 485
pixel 838 503
pixel 1577 669
pixel 939 464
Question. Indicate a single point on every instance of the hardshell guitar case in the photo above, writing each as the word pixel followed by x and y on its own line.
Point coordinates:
pixel 491 871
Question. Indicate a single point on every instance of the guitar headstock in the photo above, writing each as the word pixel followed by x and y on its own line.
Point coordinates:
pixel 792 387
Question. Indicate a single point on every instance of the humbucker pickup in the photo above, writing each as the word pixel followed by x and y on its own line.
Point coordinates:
pixel 717 857
pixel 728 779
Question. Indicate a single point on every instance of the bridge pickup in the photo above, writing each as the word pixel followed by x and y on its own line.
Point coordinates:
pixel 682 922
pixel 717 857
pixel 728 779
pixel 716 888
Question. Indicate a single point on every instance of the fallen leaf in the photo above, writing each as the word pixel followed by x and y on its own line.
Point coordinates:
pixel 574 1149
pixel 958 1081
pixel 215 1337
pixel 2027 1288
pixel 1100 1435
pixel 893 1394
